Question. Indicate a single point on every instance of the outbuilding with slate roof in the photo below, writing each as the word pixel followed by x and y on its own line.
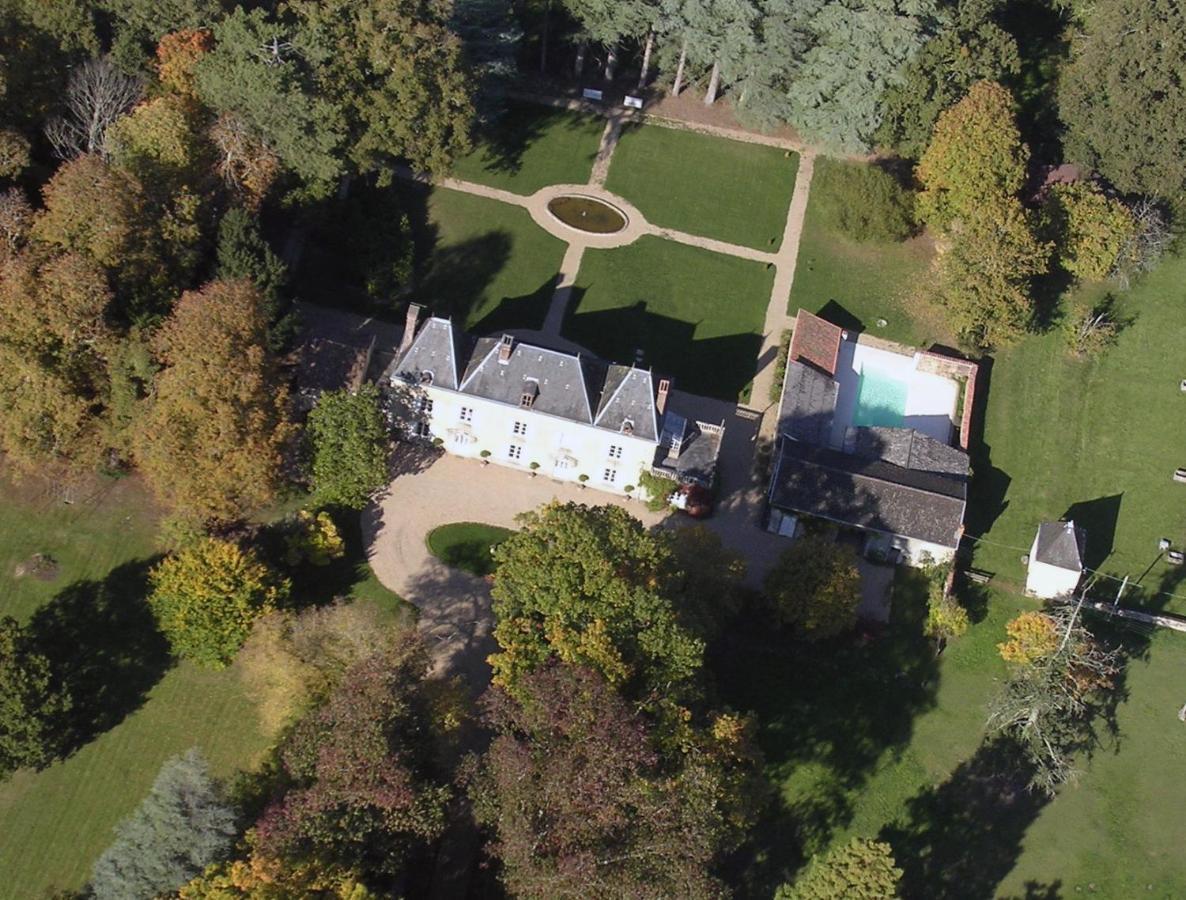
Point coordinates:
pixel 1056 560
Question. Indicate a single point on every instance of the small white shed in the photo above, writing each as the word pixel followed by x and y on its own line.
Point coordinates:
pixel 1056 560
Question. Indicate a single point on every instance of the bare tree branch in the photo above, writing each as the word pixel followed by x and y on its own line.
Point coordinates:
pixel 97 95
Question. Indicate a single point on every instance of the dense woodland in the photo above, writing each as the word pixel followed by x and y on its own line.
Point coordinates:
pixel 156 157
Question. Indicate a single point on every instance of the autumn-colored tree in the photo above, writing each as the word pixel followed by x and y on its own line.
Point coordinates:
pixel 247 165
pixel 211 443
pixel 54 346
pixel 975 156
pixel 259 877
pixel 590 586
pixel 816 586
pixel 161 143
pixel 16 220
pixel 364 789
pixel 207 596
pixel 580 803
pixel 177 55
pixel 859 870
pixel 14 153
pixel 1089 229
pixel 986 267
pixel 1032 638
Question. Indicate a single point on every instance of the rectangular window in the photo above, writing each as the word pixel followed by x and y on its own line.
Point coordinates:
pixel 424 406
pixel 467 414
pixel 520 428
pixel 421 429
pixel 514 451
pixel 615 452
pixel 610 476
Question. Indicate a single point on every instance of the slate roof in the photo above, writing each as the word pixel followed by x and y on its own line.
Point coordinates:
pixel 1061 544
pixel 698 452
pixel 868 493
pixel 816 341
pixel 808 404
pixel 558 379
pixel 436 352
pixel 628 395
pixel 910 449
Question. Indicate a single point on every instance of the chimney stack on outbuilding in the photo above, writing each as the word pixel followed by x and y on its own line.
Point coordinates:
pixel 661 399
pixel 410 323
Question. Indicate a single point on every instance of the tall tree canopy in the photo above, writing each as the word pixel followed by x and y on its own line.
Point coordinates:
pixel 30 700
pixel 1123 95
pixel 816 586
pixel 580 802
pixel 212 440
pixel 182 826
pixel 589 586
pixel 860 870
pixel 349 441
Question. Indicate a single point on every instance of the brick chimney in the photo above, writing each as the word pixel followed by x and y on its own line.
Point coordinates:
pixel 661 399
pixel 410 323
pixel 504 349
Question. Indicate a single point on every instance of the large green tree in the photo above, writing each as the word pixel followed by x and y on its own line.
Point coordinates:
pixel 1122 96
pixel 213 438
pixel 816 586
pixel 590 586
pixel 182 826
pixel 30 700
pixel 859 870
pixel 349 441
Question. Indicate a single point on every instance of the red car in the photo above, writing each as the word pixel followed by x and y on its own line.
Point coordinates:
pixel 693 500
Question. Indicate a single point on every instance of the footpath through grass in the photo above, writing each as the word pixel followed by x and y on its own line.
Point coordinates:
pixel 1096 440
pixel 697 315
pixel 704 185
pixel 881 740
pixel 483 262
pixel 467 545
pixel 856 283
pixel 533 146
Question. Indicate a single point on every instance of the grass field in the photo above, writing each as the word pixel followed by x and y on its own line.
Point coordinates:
pixel 704 185
pixel 484 262
pixel 856 283
pixel 1097 440
pixel 467 545
pixel 134 707
pixel 532 147
pixel 881 740
pixel 698 315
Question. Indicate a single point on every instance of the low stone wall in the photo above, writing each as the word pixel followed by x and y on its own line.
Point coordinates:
pixel 951 367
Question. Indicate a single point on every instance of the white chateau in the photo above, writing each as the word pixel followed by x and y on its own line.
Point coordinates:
pixel 560 414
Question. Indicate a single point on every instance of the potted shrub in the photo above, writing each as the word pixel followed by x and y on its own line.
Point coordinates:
pixel 533 468
pixel 629 489
pixel 485 454
pixel 582 479
pixel 438 441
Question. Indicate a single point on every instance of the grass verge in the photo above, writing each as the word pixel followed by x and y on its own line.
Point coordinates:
pixel 718 188
pixel 696 315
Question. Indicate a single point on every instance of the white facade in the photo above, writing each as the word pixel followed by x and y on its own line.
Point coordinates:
pixel 1046 581
pixel 517 437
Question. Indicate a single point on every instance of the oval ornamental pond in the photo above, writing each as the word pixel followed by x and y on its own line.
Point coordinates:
pixel 587 214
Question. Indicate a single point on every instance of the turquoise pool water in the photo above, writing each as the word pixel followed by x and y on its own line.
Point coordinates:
pixel 881 400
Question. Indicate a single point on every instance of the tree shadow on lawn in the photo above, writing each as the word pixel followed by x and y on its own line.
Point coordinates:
pixel 102 641
pixel 503 143
pixel 958 840
pixel 719 367
pixel 829 713
pixel 990 485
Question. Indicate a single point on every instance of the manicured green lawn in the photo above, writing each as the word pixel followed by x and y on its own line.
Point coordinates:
pixel 881 740
pixel 704 185
pixel 856 283
pixel 697 315
pixel 1097 439
pixel 467 545
pixel 483 262
pixel 134 707
pixel 534 146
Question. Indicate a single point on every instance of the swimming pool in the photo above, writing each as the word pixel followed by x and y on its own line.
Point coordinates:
pixel 881 400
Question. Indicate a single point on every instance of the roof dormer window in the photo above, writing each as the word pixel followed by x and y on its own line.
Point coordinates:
pixel 530 392
pixel 627 426
pixel 426 377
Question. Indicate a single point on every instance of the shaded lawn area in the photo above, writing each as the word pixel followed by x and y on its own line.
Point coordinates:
pixel 1094 439
pixel 133 707
pixel 481 261
pixel 467 545
pixel 855 283
pixel 533 146
pixel 704 185
pixel 697 315
pixel 882 741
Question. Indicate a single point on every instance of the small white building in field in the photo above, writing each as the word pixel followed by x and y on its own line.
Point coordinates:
pixel 1056 560
pixel 563 415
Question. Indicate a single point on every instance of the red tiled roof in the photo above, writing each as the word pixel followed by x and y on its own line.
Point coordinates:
pixel 815 341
